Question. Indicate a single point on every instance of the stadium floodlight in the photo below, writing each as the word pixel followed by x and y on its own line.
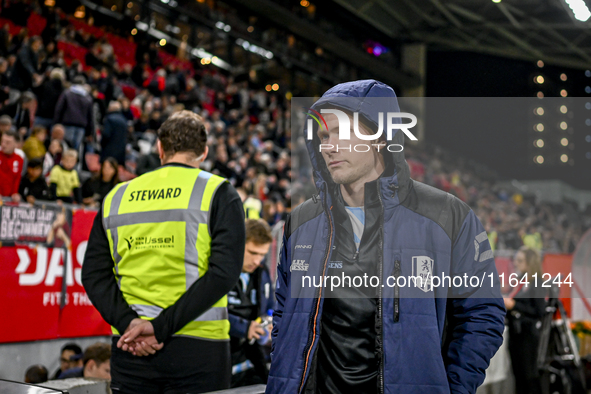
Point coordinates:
pixel 580 10
pixel 222 26
pixel 254 49
pixel 564 158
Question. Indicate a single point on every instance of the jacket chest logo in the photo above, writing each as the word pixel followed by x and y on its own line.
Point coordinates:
pixel 422 267
pixel 299 265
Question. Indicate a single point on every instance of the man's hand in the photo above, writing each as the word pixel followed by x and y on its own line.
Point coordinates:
pixel 509 303
pixel 139 338
pixel 16 197
pixel 255 331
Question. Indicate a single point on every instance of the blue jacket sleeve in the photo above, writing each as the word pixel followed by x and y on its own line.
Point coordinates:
pixel 476 313
pixel 281 288
pixel 238 326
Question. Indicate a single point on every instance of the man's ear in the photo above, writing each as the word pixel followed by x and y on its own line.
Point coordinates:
pixel 90 365
pixel 160 150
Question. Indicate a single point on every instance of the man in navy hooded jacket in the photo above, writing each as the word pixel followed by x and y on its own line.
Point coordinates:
pixel 371 219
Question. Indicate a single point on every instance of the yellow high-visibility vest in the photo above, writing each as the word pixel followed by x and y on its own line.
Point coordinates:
pixel 159 236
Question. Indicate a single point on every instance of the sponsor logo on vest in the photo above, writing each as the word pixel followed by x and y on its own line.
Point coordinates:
pixel 303 247
pixel 422 266
pixel 155 194
pixel 150 242
pixel 299 265
pixel 335 264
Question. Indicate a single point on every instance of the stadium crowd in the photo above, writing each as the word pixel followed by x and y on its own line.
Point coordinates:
pixel 82 115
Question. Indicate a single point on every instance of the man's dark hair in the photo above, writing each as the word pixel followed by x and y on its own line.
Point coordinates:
pixel 73 347
pixel 258 231
pixel 184 131
pixel 99 352
pixel 36 374
pixel 36 163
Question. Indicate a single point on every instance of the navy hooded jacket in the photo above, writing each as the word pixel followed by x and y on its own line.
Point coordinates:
pixel 439 341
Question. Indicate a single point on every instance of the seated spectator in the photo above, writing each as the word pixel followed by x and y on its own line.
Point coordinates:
pixel 107 53
pixel 114 137
pixel 4 39
pixel 36 374
pixel 157 83
pixel 4 88
pixel 58 132
pixel 64 184
pixel 74 111
pixel 11 166
pixel 70 357
pixel 126 109
pixel 34 146
pixel 96 188
pixel 33 186
pixel 76 68
pixel 97 363
pixel 50 92
pixel 20 111
pixel 26 68
pixel 53 155
pixel 142 124
pixel 93 57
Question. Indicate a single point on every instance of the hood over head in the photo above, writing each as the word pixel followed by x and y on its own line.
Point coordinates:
pixel 369 98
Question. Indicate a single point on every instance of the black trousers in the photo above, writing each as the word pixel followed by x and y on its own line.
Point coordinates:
pixel 184 365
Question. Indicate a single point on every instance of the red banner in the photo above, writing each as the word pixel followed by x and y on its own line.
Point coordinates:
pixel 32 280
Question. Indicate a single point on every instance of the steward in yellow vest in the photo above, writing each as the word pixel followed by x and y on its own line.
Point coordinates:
pixel 164 251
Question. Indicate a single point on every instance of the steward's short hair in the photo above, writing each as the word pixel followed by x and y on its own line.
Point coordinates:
pixel 184 131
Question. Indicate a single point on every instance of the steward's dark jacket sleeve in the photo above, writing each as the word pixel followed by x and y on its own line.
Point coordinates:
pixel 228 236
pixel 99 281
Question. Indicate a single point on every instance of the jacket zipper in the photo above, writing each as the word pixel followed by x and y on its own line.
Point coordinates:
pixel 380 308
pixel 396 290
pixel 313 321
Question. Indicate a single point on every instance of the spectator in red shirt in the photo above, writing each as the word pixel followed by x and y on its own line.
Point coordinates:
pixel 11 167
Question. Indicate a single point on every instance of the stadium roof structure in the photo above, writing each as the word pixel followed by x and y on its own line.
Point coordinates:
pixel 528 30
